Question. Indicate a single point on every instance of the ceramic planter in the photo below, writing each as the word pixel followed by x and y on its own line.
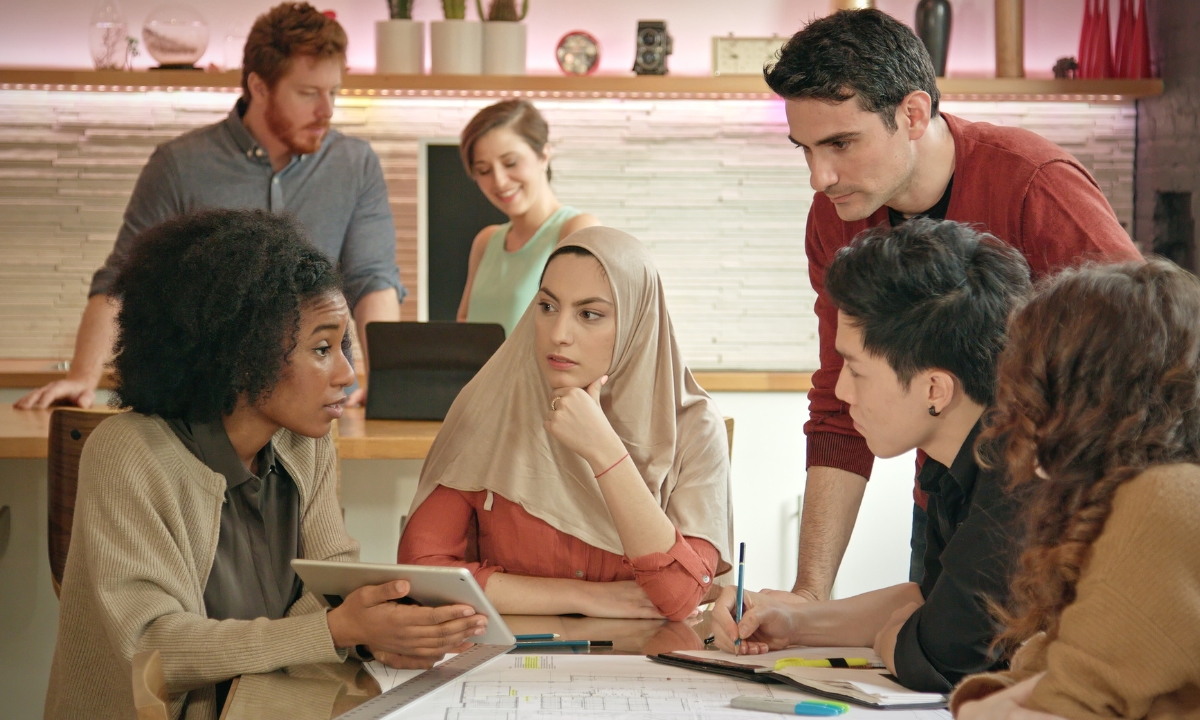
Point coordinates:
pixel 399 47
pixel 503 48
pixel 457 47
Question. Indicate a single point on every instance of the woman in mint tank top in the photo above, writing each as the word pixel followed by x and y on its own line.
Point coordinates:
pixel 504 151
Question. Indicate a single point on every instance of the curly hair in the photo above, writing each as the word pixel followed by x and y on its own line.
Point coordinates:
pixel 1100 380
pixel 210 311
pixel 863 54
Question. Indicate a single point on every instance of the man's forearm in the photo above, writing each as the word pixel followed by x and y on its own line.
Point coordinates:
pixel 378 306
pixel 852 622
pixel 831 501
pixel 94 339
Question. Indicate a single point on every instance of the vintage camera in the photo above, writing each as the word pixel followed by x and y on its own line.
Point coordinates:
pixel 653 47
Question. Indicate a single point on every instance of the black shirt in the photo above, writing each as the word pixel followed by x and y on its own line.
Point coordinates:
pixel 251 575
pixel 937 212
pixel 973 538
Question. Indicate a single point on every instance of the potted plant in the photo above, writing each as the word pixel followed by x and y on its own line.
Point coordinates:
pixel 400 42
pixel 503 37
pixel 456 43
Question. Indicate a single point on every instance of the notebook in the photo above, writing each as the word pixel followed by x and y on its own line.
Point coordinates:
pixel 873 687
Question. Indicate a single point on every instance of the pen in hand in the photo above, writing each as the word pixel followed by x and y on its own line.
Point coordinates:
pixel 741 589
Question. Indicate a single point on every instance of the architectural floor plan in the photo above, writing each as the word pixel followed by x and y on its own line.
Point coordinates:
pixel 555 687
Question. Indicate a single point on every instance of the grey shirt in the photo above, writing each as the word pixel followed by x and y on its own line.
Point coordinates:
pixel 337 194
pixel 252 575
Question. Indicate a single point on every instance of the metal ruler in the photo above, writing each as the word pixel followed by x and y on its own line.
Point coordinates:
pixel 391 703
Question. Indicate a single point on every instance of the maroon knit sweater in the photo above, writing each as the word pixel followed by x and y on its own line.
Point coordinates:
pixel 1009 182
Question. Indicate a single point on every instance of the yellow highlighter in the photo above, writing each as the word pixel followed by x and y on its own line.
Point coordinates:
pixel 827 663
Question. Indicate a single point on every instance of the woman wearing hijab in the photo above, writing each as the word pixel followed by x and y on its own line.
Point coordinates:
pixel 583 470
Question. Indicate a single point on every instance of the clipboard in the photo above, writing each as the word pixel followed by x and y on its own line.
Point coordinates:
pixel 833 683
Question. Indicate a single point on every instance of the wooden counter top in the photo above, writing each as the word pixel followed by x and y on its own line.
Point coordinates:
pixel 23 433
pixel 19 373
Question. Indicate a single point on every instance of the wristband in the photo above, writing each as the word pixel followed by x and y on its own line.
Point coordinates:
pixel 610 467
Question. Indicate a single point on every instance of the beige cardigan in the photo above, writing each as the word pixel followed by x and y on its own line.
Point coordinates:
pixel 1129 645
pixel 147 518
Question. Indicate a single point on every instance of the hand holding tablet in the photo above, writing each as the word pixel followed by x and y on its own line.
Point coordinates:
pixel 442 596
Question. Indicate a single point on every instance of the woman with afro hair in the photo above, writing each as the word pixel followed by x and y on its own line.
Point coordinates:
pixel 231 361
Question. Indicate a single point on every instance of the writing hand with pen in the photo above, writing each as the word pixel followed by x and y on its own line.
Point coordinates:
pixel 767 623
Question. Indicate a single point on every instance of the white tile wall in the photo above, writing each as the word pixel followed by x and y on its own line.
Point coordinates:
pixel 713 187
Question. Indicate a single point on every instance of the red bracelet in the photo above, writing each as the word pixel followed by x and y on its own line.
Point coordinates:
pixel 610 467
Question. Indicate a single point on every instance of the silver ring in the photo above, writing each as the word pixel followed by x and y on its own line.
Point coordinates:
pixel 554 404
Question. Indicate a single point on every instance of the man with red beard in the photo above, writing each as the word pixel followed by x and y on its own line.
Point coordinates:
pixel 275 151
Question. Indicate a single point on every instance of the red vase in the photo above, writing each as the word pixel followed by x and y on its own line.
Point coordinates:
pixel 1138 62
pixel 1124 33
pixel 1084 60
pixel 1104 59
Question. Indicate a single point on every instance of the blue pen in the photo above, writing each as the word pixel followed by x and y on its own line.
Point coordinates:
pixel 565 644
pixel 741 587
pixel 536 636
pixel 811 708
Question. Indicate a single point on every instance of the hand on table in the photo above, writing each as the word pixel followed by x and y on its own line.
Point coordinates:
pixel 67 391
pixel 1007 704
pixel 767 621
pixel 618 599
pixel 422 634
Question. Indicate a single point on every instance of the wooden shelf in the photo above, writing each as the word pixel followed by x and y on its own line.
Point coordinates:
pixel 669 87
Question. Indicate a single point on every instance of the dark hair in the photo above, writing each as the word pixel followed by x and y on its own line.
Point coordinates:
pixel 284 32
pixel 931 294
pixel 863 54
pixel 210 310
pixel 1100 380
pixel 520 115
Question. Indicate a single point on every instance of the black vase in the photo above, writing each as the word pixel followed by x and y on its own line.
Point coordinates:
pixel 933 27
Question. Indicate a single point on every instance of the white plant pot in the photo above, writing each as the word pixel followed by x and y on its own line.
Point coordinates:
pixel 457 47
pixel 399 47
pixel 503 48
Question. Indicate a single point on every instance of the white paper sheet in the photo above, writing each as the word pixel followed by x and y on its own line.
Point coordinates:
pixel 556 687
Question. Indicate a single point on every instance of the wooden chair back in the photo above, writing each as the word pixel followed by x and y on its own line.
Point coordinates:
pixel 69 430
pixel 149 687
pixel 729 435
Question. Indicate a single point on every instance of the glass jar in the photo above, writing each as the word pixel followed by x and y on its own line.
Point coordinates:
pixel 176 36
pixel 108 37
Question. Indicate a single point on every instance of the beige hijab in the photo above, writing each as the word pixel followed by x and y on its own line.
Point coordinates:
pixel 493 438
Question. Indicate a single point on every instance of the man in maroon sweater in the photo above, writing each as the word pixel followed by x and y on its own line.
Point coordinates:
pixel 862 104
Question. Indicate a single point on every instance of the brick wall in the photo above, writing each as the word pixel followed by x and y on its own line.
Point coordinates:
pixel 713 187
pixel 1168 148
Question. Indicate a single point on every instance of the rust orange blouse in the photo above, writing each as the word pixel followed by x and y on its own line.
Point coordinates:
pixel 511 540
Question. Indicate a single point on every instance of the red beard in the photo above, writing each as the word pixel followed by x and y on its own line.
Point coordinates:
pixel 298 142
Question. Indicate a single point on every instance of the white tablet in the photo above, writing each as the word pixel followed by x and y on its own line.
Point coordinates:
pixel 432 586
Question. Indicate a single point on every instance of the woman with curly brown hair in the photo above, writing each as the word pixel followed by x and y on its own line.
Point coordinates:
pixel 1099 398
pixel 231 361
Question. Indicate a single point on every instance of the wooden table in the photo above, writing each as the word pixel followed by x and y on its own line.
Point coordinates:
pixel 20 373
pixel 24 433
pixel 320 692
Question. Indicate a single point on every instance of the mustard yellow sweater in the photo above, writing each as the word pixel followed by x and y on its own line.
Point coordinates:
pixel 147 517
pixel 1129 646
